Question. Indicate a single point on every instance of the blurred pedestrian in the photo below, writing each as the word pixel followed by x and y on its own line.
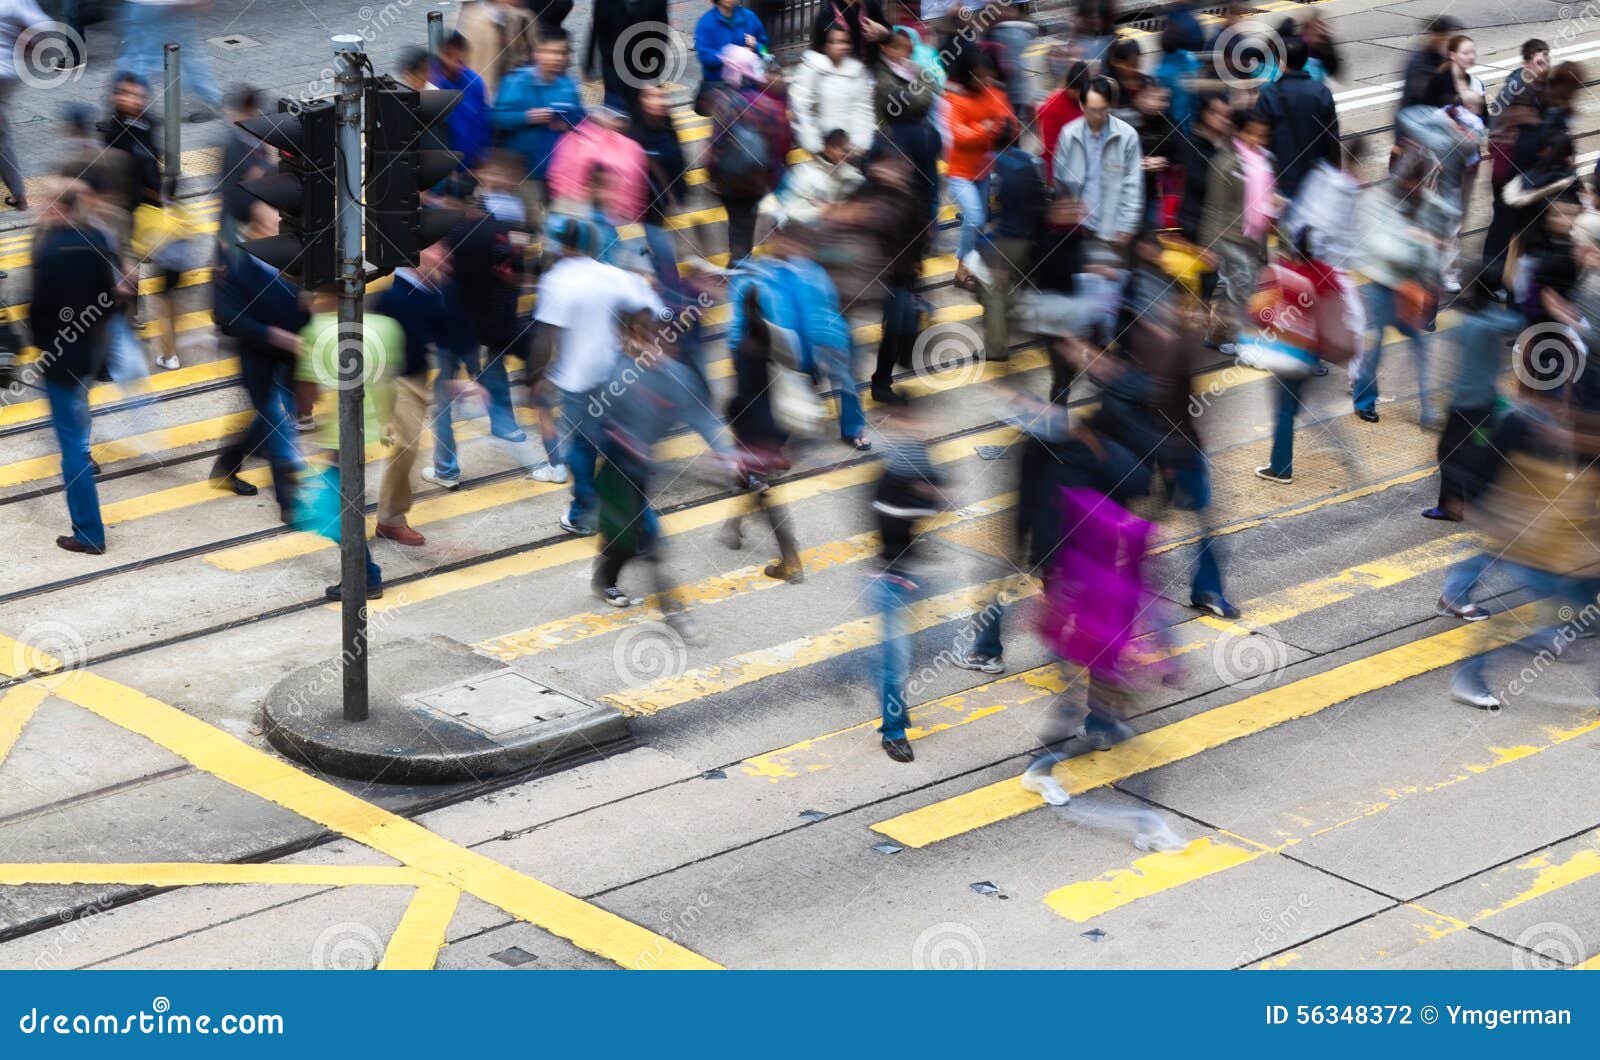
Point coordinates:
pixel 628 49
pixel 904 98
pixel 977 113
pixel 908 492
pixel 20 21
pixel 148 26
pixel 74 296
pixel 500 36
pixel 657 135
pixel 244 157
pixel 1005 250
pixel 727 23
pixel 864 20
pixel 582 304
pixel 831 89
pixel 536 106
pixel 1429 56
pixel 1300 111
pixel 1241 204
pixel 750 137
pixel 467 124
pixel 415 301
pixel 260 310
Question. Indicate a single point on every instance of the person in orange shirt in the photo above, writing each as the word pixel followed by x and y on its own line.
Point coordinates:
pixel 976 112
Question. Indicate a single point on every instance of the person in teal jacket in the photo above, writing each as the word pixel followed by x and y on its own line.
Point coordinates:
pixel 537 105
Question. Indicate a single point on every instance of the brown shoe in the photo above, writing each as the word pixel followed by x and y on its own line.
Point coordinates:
pixel 790 572
pixel 401 534
pixel 73 543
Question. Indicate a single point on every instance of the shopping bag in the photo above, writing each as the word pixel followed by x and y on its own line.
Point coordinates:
pixel 795 404
pixel 317 503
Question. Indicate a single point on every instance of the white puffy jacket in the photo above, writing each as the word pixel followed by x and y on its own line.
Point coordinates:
pixel 824 97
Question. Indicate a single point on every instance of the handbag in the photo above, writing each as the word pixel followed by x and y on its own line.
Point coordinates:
pixel 317 503
pixel 1414 304
pixel 795 405
pixel 157 228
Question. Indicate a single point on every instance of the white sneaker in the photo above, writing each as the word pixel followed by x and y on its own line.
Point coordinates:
pixel 432 475
pixel 168 362
pixel 1474 697
pixel 1046 787
pixel 1156 834
pixel 549 473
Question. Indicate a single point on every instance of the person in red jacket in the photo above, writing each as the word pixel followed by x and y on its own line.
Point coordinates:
pixel 976 113
pixel 1060 109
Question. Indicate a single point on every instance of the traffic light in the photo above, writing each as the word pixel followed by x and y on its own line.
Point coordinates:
pixel 405 156
pixel 306 247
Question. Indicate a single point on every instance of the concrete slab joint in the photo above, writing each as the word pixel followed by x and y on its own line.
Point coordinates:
pixel 441 714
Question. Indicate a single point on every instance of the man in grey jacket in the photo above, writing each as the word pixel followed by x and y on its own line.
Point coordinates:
pixel 1098 161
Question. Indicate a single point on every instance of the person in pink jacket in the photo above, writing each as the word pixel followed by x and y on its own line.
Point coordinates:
pixel 600 141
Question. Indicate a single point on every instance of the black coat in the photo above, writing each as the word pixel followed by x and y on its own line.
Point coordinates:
pixel 642 60
pixel 251 297
pixel 1305 126
pixel 664 154
pixel 140 139
pixel 74 292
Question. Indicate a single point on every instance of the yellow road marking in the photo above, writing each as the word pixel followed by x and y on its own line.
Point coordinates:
pixel 419 937
pixel 715 589
pixel 1151 874
pixel 1549 876
pixel 16 709
pixel 1160 872
pixel 19 660
pixel 585 925
pixel 48 466
pixel 200 874
pixel 1191 736
pixel 753 666
pixel 105 393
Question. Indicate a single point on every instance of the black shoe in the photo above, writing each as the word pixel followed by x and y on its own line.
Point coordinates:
pixel 1367 415
pixel 883 393
pixel 899 750
pixel 1105 733
pixel 72 543
pixel 239 486
pixel 374 592
pixel 1215 604
pixel 94 467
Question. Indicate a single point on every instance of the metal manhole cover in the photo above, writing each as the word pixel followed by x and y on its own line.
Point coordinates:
pixel 500 703
pixel 233 42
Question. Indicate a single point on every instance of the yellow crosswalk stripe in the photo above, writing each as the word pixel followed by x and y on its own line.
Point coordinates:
pixel 106 393
pixel 1151 874
pixel 1191 736
pixel 179 437
pixel 718 588
pixel 17 707
pixel 420 935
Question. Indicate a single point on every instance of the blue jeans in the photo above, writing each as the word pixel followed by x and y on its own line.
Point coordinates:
pixel 69 414
pixel 835 366
pixel 146 29
pixel 890 596
pixel 1287 397
pixel 695 405
pixel 502 417
pixel 272 431
pixel 972 199
pixel 663 254
pixel 1381 313
pixel 579 445
pixel 1191 492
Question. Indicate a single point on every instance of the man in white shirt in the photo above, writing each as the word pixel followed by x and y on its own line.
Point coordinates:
pixel 582 303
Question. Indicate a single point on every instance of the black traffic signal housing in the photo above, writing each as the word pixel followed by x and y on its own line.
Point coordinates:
pixel 405 156
pixel 306 247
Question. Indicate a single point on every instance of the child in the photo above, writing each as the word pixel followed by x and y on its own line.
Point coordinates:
pixel 816 184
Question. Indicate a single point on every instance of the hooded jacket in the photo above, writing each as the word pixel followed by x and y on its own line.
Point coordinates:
pixel 824 97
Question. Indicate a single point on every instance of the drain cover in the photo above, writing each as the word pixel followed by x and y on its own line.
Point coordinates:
pixel 500 703
pixel 234 42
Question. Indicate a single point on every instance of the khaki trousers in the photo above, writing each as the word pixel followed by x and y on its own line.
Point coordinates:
pixel 411 399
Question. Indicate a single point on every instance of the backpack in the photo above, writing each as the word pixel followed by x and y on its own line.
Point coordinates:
pixel 738 162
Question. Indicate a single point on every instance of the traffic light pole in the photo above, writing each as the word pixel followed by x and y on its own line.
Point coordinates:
pixel 172 102
pixel 350 81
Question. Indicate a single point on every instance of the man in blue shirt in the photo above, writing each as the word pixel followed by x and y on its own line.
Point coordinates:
pixel 726 23
pixel 469 121
pixel 536 106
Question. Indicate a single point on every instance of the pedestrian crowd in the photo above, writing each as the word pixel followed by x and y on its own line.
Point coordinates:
pixel 1140 213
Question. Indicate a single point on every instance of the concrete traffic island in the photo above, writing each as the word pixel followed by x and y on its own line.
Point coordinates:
pixel 439 714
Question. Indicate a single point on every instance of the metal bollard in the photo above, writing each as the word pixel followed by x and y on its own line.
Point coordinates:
pixel 172 101
pixel 435 34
